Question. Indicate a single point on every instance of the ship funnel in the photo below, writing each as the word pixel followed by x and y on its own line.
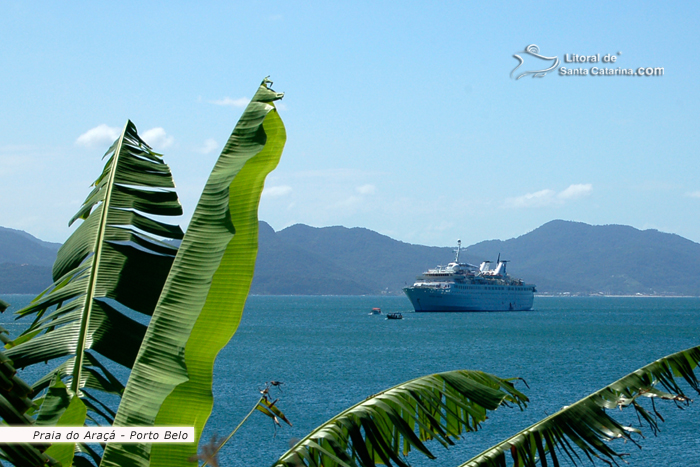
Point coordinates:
pixel 500 269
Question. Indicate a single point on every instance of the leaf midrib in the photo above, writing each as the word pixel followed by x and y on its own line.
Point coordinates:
pixel 92 285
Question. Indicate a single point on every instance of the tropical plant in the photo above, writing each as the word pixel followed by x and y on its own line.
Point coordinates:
pixel 203 298
pixel 112 266
pixel 111 261
pixel 109 275
pixel 382 429
pixel 15 409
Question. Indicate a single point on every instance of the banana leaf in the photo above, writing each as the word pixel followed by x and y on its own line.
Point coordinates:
pixel 587 426
pixel 60 408
pixel 385 427
pixel 203 298
pixel 108 273
pixel 15 403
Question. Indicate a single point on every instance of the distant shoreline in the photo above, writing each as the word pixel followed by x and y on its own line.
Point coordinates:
pixel 612 296
pixel 387 295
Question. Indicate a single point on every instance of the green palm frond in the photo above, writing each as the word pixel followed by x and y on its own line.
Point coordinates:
pixel 387 426
pixel 118 257
pixel 588 425
pixel 203 299
pixel 60 408
pixel 15 402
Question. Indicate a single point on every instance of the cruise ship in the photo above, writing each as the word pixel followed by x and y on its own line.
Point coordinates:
pixel 465 287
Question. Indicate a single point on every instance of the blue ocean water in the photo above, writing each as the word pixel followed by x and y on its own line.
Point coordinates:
pixel 330 354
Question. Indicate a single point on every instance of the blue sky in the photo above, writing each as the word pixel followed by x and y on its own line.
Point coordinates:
pixel 402 117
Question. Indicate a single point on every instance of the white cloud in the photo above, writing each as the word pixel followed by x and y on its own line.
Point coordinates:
pixel 348 203
pixel 98 136
pixel 694 194
pixel 103 135
pixel 366 189
pixel 276 191
pixel 576 191
pixel 227 101
pixel 157 138
pixel 549 197
pixel 530 200
pixel 208 147
pixel 325 197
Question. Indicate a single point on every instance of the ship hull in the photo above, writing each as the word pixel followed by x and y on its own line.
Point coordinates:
pixel 508 298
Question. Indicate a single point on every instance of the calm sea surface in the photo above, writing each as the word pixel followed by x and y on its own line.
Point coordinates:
pixel 330 354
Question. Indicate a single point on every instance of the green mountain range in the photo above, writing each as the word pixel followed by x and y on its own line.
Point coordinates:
pixel 574 257
pixel 25 262
pixel 560 257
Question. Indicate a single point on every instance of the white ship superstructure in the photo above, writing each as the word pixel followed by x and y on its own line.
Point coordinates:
pixel 465 287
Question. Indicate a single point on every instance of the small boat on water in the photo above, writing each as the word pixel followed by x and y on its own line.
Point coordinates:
pixel 394 316
pixel 376 311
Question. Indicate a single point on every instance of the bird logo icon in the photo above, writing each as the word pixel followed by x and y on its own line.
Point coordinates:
pixel 534 51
